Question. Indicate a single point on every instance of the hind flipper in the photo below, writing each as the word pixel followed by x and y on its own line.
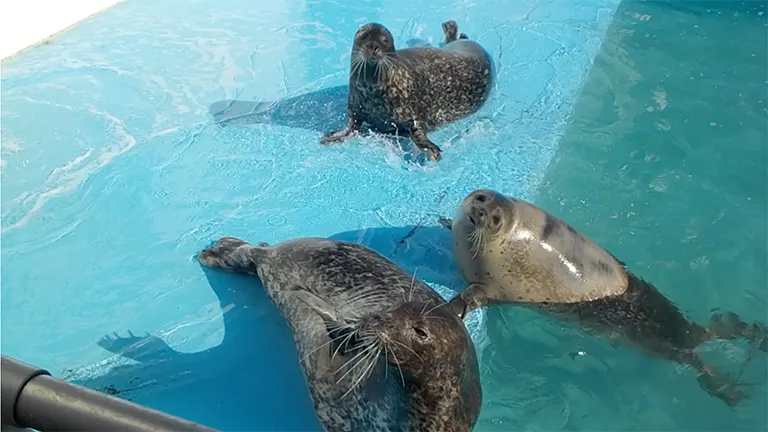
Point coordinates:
pixel 451 31
pixel 445 223
pixel 722 387
pixel 229 253
pixel 717 385
pixel 729 326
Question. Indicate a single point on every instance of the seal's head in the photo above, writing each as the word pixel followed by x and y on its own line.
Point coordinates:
pixel 373 43
pixel 432 350
pixel 483 216
pixel 420 338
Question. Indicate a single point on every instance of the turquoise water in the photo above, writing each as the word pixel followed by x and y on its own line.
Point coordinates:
pixel 114 175
pixel 664 163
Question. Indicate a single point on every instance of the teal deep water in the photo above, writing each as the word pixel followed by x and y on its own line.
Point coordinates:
pixel 134 139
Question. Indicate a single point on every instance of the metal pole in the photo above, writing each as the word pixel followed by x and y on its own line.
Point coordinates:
pixel 32 398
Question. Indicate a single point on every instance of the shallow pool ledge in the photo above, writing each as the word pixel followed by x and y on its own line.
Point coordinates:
pixel 114 176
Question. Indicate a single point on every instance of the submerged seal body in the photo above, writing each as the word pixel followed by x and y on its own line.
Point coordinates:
pixel 510 251
pixel 380 350
pixel 414 90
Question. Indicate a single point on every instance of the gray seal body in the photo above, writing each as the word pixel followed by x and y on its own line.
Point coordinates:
pixel 415 90
pixel 380 350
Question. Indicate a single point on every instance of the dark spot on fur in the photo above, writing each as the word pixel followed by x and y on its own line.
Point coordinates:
pixel 550 224
pixel 603 267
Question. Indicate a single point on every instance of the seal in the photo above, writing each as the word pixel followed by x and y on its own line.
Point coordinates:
pixel 512 252
pixel 415 90
pixel 379 349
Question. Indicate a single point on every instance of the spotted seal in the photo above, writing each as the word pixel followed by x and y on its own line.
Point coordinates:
pixel 510 251
pixel 379 349
pixel 412 91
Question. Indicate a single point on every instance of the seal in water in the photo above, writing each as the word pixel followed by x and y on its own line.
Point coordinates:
pixel 510 251
pixel 413 90
pixel 379 349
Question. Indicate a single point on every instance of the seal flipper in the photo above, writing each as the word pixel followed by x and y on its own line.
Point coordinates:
pixel 473 297
pixel 451 31
pixel 419 137
pixel 317 304
pixel 717 385
pixel 353 124
pixel 730 326
pixel 446 223
pixel 343 337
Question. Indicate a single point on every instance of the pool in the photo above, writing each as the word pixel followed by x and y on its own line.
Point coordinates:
pixel 134 139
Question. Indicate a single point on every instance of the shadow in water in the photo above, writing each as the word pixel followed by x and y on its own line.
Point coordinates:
pixel 322 111
pixel 237 384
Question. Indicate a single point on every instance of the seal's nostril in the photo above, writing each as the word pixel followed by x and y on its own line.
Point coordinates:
pixel 471 219
pixel 481 212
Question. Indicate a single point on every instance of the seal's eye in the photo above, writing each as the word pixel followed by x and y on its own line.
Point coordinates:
pixel 420 333
pixel 384 39
pixel 496 220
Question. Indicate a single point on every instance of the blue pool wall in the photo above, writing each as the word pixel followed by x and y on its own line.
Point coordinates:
pixel 129 143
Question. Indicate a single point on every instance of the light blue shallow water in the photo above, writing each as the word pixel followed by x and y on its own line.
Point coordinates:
pixel 114 176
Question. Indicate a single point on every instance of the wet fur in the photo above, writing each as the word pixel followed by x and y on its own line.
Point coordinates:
pixel 329 289
pixel 631 311
pixel 415 90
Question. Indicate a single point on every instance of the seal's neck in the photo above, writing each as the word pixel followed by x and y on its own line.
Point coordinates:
pixel 369 73
pixel 443 402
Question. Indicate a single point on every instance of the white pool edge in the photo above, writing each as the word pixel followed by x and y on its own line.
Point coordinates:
pixel 26 24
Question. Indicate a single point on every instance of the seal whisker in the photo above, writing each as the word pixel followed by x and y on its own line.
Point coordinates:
pixel 413 281
pixel 397 362
pixel 346 341
pixel 321 347
pixel 408 348
pixel 364 353
pixel 372 358
pixel 426 314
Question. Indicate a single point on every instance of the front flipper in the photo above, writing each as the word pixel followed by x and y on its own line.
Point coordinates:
pixel 316 303
pixel 446 223
pixel 348 132
pixel 473 297
pixel 451 31
pixel 419 137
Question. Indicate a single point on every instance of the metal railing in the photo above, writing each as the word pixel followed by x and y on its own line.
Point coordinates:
pixel 32 398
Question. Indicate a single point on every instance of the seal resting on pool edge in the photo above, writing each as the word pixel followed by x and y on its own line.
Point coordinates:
pixel 413 90
pixel 379 349
pixel 510 251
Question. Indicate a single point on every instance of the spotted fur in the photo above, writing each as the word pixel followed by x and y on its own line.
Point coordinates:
pixel 415 90
pixel 413 386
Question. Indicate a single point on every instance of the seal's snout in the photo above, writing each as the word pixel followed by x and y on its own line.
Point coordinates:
pixel 477 216
pixel 373 48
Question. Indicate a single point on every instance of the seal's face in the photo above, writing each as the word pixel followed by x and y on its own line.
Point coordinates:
pixel 482 217
pixel 373 43
pixel 414 336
